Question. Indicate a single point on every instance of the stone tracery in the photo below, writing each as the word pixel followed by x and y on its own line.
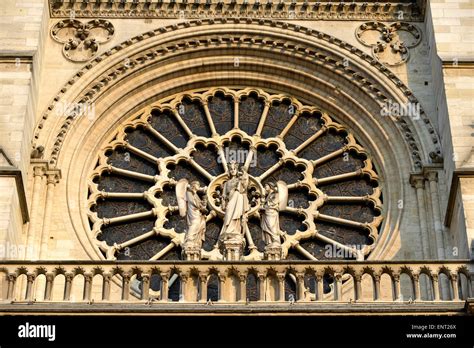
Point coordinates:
pixel 334 194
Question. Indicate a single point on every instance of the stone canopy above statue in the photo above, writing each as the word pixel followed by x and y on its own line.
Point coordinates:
pixel 234 175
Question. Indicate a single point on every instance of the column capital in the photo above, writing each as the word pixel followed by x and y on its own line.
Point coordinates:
pixel 49 277
pixel 281 276
pixel 431 175
pixel 417 180
pixel 39 170
pixel 53 177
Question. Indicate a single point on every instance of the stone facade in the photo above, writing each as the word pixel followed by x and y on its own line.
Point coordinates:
pixel 315 52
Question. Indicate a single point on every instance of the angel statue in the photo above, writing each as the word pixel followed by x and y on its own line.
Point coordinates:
pixel 194 208
pixel 274 200
pixel 235 202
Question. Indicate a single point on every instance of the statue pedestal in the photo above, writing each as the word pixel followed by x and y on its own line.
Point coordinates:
pixel 233 247
pixel 192 253
pixel 272 253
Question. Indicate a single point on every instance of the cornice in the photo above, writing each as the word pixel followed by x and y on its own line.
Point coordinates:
pixel 383 10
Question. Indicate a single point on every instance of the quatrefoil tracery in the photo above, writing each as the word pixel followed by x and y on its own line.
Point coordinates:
pixel 390 43
pixel 81 40
pixel 333 187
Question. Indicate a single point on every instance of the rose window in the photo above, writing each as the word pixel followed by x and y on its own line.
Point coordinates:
pixel 327 202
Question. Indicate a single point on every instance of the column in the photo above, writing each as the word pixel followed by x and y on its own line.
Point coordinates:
pixel 222 279
pixel 38 173
pixel 416 286
pixel 300 286
pixel 243 287
pixel 183 296
pixel 145 286
pixel 417 181
pixel 67 286
pixel 396 287
pixel 87 286
pixel 337 287
pixel 11 285
pixel 358 287
pixel 203 285
pixel 52 180
pixel 319 287
pixel 106 287
pixel 125 286
pixel 49 286
pixel 454 283
pixel 164 286
pixel 261 287
pixel 281 286
pixel 376 287
pixel 432 177
pixel 435 287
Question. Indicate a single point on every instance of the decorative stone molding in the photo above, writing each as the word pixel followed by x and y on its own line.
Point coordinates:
pixel 390 43
pixel 275 9
pixel 309 52
pixel 233 287
pixel 81 40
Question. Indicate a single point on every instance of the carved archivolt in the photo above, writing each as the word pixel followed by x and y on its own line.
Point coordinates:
pixel 334 208
pixel 309 52
pixel 390 43
pixel 81 40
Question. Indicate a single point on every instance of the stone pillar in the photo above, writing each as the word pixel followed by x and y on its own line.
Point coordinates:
pixel 432 177
pixel 67 287
pixel 203 285
pixel 261 287
pixel 454 284
pixel 125 286
pixel 376 280
pixel 30 278
pixel 337 287
pixel 164 286
pixel 418 182
pixel 281 286
pixel 52 180
pixel 243 288
pixel 435 287
pixel 184 293
pixel 106 287
pixel 358 287
pixel 319 287
pixel 396 287
pixel 300 286
pixel 49 286
pixel 38 173
pixel 145 286
pixel 11 285
pixel 416 287
pixel 87 286
pixel 222 279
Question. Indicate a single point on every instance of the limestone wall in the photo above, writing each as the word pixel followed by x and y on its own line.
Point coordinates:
pixel 451 27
